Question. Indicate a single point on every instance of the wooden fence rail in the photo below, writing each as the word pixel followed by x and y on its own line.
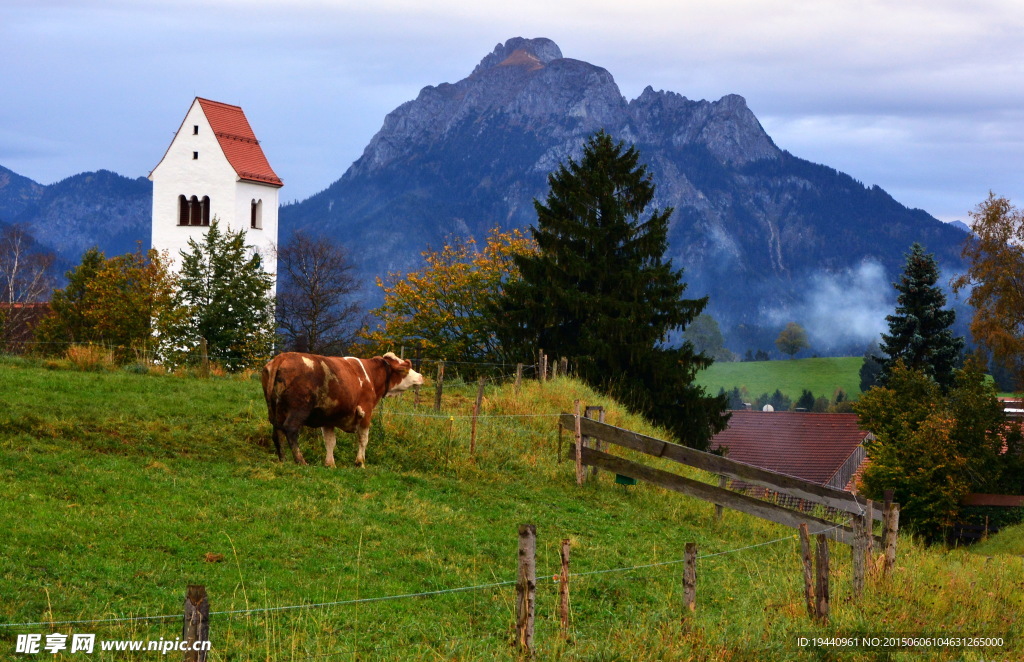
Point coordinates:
pixel 716 495
pixel 717 464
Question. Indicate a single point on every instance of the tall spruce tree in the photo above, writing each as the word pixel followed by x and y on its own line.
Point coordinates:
pixel 919 331
pixel 225 294
pixel 601 291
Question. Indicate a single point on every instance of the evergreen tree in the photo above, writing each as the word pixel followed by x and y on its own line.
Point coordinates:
pixel 919 332
pixel 226 295
pixel 68 322
pixel 805 401
pixel 600 290
pixel 871 368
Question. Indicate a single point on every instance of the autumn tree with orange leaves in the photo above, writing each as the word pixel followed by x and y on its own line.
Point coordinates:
pixel 113 301
pixel 443 307
pixel 995 281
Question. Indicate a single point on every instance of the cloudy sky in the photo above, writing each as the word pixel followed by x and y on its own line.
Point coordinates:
pixel 923 98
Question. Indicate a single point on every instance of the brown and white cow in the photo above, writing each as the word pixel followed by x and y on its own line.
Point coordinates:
pixel 330 392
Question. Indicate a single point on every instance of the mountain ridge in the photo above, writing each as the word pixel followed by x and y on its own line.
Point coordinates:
pixel 752 223
pixel 755 227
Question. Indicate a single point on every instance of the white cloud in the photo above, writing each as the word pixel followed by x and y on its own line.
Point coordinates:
pixel 918 97
pixel 842 309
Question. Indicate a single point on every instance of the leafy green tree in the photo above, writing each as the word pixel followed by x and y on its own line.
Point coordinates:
pixel 792 339
pixel 601 291
pixel 919 331
pixel 996 255
pixel 706 337
pixel 224 294
pixel 126 295
pixel 447 306
pixel 933 448
pixel 68 322
pixel 113 301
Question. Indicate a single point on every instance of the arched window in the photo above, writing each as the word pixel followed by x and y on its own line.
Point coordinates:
pixel 206 210
pixel 256 214
pixel 194 216
pixel 182 210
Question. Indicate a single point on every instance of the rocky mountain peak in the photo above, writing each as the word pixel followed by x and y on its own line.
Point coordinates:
pixel 727 127
pixel 535 53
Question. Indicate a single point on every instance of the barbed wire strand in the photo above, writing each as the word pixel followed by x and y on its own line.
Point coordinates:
pixel 461 589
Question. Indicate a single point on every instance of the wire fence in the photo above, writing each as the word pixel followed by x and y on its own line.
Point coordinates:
pixel 500 373
pixel 405 596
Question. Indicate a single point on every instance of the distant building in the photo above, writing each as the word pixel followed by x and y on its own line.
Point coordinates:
pixel 215 167
pixel 826 449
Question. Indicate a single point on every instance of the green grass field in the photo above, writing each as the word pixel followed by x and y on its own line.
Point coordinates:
pixel 820 376
pixel 120 489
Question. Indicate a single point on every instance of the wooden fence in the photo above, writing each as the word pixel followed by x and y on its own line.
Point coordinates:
pixel 858 507
pixel 781 483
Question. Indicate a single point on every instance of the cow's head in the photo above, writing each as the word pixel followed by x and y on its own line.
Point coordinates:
pixel 402 375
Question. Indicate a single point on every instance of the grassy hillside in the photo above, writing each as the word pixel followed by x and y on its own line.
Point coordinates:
pixel 819 376
pixel 120 489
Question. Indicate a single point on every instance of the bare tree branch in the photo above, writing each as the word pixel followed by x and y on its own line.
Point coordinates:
pixel 317 307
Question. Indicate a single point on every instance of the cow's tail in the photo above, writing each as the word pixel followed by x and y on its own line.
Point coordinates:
pixel 268 378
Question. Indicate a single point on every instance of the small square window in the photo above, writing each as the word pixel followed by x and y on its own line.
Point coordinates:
pixel 195 129
pixel 195 155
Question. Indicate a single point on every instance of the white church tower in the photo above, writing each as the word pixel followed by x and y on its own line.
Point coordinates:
pixel 215 167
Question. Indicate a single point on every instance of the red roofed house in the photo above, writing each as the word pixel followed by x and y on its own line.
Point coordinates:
pixel 215 167
pixel 820 448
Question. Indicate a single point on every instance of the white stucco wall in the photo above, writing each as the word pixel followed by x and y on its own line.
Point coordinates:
pixel 208 175
pixel 264 239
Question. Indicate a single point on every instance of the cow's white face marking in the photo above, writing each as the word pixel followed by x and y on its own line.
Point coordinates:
pixel 365 374
pixel 307 361
pixel 412 379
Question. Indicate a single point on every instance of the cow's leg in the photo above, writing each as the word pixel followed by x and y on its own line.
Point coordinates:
pixel 364 438
pixel 329 441
pixel 277 434
pixel 291 427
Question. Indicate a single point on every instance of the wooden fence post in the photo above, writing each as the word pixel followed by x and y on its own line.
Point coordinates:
pixel 204 357
pixel 526 587
pixel 722 482
pixel 805 556
pixel 196 622
pixel 554 370
pixel 890 529
pixel 690 577
pixel 543 368
pixel 519 376
pixel 578 442
pixel 869 541
pixel 540 366
pixel 476 412
pixel 563 591
pixel 440 385
pixel 588 441
pixel 858 551
pixel 821 588
pixel 565 366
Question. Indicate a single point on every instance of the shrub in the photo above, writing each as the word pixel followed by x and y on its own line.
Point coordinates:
pixel 90 357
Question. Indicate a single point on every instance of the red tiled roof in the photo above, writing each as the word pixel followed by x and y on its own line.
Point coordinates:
pixel 239 143
pixel 801 444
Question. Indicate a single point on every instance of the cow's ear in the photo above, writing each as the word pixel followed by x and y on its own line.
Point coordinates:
pixel 397 363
